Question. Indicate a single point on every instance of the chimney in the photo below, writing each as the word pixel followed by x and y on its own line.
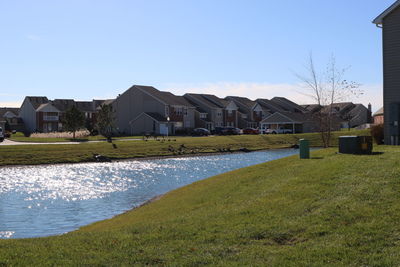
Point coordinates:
pixel 370 113
pixel 370 107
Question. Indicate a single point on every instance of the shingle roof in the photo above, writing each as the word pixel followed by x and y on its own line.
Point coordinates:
pixel 219 102
pixel 244 101
pixel 85 106
pixel 269 105
pixel 5 110
pixel 379 112
pixel 166 97
pixel 36 101
pixel 202 99
pixel 156 116
pixel 63 104
pixel 287 104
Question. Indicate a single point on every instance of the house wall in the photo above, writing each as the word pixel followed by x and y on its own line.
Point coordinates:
pixel 144 124
pixel 131 104
pixel 28 115
pixel 378 119
pixel 391 70
pixel 212 112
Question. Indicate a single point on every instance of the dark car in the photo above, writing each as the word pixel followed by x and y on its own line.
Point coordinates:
pixel 201 132
pixel 230 131
pixel 218 130
pixel 251 131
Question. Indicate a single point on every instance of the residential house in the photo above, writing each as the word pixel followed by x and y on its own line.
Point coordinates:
pixel 207 114
pixel 246 108
pixel 40 114
pixel 215 111
pixel 28 113
pixel 288 105
pixel 352 115
pixel 378 117
pixel 11 119
pixel 294 121
pixel 389 21
pixel 144 109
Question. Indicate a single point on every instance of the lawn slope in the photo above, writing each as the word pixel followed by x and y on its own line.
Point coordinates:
pixel 330 210
pixel 73 153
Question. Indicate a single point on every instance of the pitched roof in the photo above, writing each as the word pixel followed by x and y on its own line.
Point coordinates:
pixel 3 111
pixel 202 99
pixel 243 102
pixel 63 104
pixel 166 97
pixel 379 112
pixel 36 101
pixel 156 116
pixel 287 104
pixel 85 106
pixel 311 107
pixel 379 20
pixel 269 105
pixel 288 117
pixel 219 102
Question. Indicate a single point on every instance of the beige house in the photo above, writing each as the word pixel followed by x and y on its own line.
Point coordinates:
pixel 144 109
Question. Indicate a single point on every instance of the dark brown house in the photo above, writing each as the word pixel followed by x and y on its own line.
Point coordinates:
pixel 389 21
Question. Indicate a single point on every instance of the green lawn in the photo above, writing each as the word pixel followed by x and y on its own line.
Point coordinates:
pixel 331 210
pixel 19 137
pixel 69 153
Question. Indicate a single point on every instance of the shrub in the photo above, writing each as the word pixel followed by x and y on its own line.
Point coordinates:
pixel 377 133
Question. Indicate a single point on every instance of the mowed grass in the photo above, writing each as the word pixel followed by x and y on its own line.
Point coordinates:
pixel 331 210
pixel 73 153
pixel 19 137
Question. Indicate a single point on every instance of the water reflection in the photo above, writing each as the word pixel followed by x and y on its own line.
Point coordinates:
pixel 47 200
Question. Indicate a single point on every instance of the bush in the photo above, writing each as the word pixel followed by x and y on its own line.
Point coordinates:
pixel 377 133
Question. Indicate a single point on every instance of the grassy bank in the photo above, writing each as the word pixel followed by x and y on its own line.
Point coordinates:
pixel 19 137
pixel 331 210
pixel 48 154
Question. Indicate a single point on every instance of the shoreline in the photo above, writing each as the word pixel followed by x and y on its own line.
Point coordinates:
pixel 143 158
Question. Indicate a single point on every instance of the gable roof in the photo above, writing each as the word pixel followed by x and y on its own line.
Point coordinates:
pixel 379 20
pixel 166 97
pixel 221 103
pixel 5 111
pixel 379 112
pixel 48 107
pixel 152 115
pixel 243 102
pixel 269 105
pixel 36 101
pixel 63 104
pixel 287 104
pixel 200 98
pixel 287 117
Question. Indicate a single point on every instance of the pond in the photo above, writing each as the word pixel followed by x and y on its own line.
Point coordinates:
pixel 38 201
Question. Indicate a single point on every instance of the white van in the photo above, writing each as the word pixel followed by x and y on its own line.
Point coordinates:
pixel 1 135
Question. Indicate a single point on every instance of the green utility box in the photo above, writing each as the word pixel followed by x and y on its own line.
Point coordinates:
pixel 304 149
pixel 355 144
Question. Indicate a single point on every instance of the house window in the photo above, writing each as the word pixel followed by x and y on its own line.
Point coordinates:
pixel 179 111
pixel 219 114
pixel 229 112
pixel 203 115
pixel 185 111
pixel 166 111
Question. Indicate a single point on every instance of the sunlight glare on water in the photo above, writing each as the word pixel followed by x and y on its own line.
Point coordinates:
pixel 54 199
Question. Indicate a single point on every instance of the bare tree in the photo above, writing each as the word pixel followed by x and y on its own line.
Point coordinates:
pixel 326 89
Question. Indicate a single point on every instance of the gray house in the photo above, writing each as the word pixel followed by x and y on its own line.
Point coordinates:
pixel 389 21
pixel 246 111
pixel 144 109
pixel 208 114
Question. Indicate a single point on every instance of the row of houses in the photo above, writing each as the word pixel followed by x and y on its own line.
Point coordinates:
pixel 145 109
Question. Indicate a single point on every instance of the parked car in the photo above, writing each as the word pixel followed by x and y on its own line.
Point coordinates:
pixel 218 130
pixel 1 135
pixel 201 132
pixel 279 131
pixel 251 131
pixel 231 131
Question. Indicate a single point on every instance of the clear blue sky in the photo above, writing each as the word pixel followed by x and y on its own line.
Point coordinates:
pixel 83 49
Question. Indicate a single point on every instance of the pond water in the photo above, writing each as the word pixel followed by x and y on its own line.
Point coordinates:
pixel 48 200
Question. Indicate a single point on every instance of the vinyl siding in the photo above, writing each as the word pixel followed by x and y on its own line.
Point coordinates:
pixel 391 64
